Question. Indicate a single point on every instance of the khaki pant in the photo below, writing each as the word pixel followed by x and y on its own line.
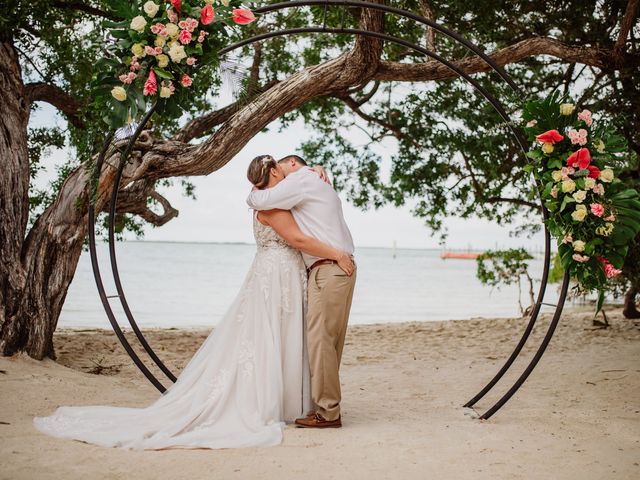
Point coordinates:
pixel 330 292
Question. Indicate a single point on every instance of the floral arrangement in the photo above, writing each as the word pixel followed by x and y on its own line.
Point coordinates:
pixel 156 51
pixel 592 214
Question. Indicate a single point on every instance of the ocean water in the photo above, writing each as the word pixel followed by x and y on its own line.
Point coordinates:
pixel 192 284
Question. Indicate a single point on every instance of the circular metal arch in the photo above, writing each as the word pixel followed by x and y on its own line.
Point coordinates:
pixel 330 30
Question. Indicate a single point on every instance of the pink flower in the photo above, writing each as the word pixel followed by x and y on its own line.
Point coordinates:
pixel 173 16
pixel 151 85
pixel 597 209
pixel 191 61
pixel 242 16
pixel 598 189
pixel 609 270
pixel 202 35
pixel 567 239
pixel 184 37
pixel 186 80
pixel 580 159
pixel 610 218
pixel 149 50
pixel 566 171
pixel 207 14
pixel 585 116
pixel 127 78
pixel 551 136
pixel 134 64
pixel 578 137
pixel 579 258
pixel 159 29
pixel 554 192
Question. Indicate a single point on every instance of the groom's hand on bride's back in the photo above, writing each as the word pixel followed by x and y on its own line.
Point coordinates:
pixel 346 263
pixel 322 173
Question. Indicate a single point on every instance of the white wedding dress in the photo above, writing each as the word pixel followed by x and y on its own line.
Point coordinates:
pixel 248 378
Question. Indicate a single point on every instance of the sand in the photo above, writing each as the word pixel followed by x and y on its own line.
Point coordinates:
pixel 577 417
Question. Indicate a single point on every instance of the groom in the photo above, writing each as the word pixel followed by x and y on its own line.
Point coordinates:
pixel 317 209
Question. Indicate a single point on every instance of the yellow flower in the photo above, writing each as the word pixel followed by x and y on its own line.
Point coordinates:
pixel 163 60
pixel 578 245
pixel 580 213
pixel 567 108
pixel 138 50
pixel 150 8
pixel 119 93
pixel 547 147
pixel 579 196
pixel 159 42
pixel 589 183
pixel 599 144
pixel 556 175
pixel 138 23
pixel 568 186
pixel 606 175
pixel 165 92
pixel 172 29
pixel 225 3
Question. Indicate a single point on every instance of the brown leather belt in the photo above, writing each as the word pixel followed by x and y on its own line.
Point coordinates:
pixel 322 261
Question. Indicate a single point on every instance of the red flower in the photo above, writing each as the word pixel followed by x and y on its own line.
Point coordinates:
pixel 594 172
pixel 552 136
pixel 176 5
pixel 207 14
pixel 579 159
pixel 151 85
pixel 242 16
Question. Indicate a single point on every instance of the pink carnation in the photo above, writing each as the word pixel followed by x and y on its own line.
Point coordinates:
pixel 580 258
pixel 610 218
pixel 173 16
pixel 191 61
pixel 186 80
pixel 585 116
pixel 184 37
pixel 149 50
pixel 597 209
pixel 567 239
pixel 202 35
pixel 598 189
pixel 159 29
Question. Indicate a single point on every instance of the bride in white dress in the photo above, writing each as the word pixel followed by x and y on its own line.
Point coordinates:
pixel 249 377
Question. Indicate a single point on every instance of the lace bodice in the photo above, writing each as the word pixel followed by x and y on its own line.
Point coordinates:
pixel 266 237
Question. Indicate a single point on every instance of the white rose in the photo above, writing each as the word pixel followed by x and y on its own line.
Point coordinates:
pixel 579 196
pixel 556 175
pixel 589 183
pixel 580 213
pixel 172 29
pixel 177 53
pixel 225 3
pixel 606 175
pixel 568 186
pixel 150 8
pixel 162 60
pixel 578 245
pixel 138 23
pixel 119 94
pixel 567 108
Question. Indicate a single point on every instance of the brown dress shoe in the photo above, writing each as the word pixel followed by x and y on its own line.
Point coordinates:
pixel 318 421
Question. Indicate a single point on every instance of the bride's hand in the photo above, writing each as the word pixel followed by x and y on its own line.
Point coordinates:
pixel 345 262
pixel 322 173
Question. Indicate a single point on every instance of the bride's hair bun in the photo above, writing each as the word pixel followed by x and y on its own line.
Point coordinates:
pixel 259 168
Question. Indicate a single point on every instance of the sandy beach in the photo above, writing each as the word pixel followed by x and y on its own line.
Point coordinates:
pixel 577 417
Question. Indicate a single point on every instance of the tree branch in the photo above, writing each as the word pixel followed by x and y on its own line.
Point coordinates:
pixel 427 12
pixel 626 24
pixel 601 58
pixel 83 7
pixel 54 95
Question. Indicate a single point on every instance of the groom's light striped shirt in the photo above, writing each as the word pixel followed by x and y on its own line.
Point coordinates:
pixel 314 204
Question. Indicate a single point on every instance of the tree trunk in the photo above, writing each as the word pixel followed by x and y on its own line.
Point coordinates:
pixel 630 310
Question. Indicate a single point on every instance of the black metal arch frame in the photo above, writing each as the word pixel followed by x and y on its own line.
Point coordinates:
pixel 332 30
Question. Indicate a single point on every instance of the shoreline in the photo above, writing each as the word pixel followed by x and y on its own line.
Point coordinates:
pixel 403 387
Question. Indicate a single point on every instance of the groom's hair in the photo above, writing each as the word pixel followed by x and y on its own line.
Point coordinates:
pixel 298 159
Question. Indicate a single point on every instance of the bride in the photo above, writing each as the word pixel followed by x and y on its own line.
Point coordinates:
pixel 249 377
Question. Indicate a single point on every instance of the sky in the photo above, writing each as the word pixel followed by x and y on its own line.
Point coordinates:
pixel 220 214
